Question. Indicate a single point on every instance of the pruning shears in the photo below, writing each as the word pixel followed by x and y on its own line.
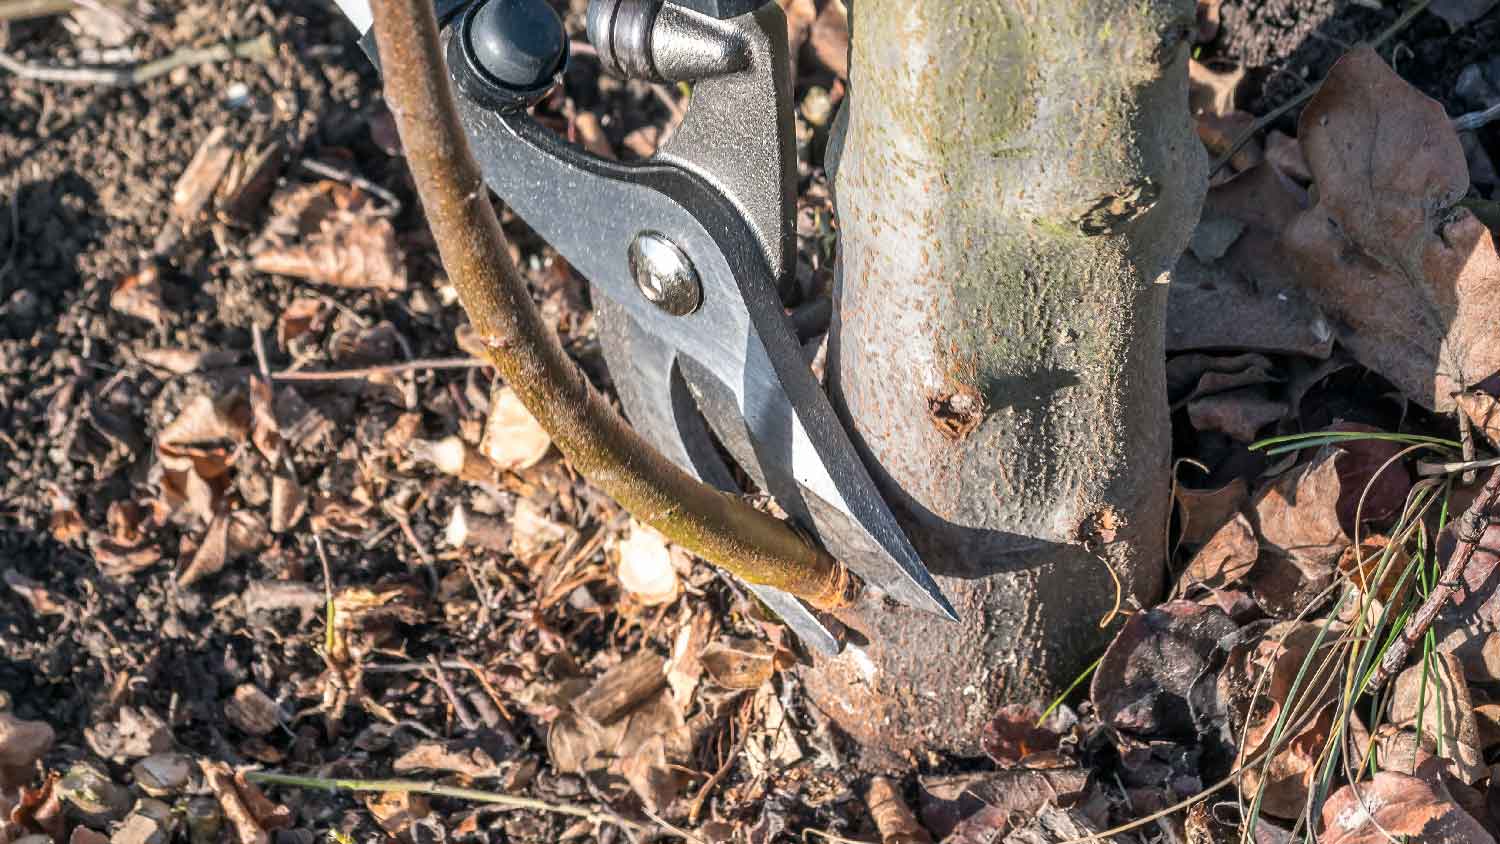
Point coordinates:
pixel 685 253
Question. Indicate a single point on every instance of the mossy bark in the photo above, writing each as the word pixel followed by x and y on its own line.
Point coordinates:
pixel 1015 181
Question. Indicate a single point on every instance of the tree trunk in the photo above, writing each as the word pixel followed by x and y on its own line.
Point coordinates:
pixel 1015 181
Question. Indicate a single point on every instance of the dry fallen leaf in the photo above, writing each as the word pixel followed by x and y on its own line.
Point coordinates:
pixel 140 296
pixel 513 439
pixel 735 663
pixel 1282 649
pixel 1150 671
pixel 1415 280
pixel 195 187
pixel 237 815
pixel 1301 538
pixel 800 15
pixel 1201 512
pixel 1014 734
pixel 1483 410
pixel 22 743
pixel 1393 804
pixel 1363 563
pixel 210 555
pixel 1285 154
pixel 328 232
pixel 1239 414
pixel 447 757
pixel 1226 558
pixel 981 805
pixel 1435 695
pixel 183 361
pixel 892 817
pixel 829 38
pixel 1373 485
pixel 305 316
pixel 252 711
pixel 396 811
pixel 686 664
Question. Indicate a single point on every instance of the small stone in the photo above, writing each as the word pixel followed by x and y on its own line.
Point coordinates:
pixel 162 774
pixel 252 711
pixel 1474 88
pixel 236 95
pixel 817 106
pixel 204 820
pixel 150 822
pixel 1213 236
pixel 87 787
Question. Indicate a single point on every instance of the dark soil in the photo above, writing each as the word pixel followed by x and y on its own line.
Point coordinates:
pixel 86 181
pixel 1287 45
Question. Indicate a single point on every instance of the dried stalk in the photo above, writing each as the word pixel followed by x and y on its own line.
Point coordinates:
pixel 1471 528
pixel 723 529
pixel 438 790
pixel 260 49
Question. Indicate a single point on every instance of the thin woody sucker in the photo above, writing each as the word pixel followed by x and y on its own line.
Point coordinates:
pixel 721 528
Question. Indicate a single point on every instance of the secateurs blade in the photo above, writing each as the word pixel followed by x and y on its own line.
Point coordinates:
pixel 685 252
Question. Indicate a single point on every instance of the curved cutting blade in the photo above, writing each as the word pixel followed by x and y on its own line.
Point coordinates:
pixel 658 405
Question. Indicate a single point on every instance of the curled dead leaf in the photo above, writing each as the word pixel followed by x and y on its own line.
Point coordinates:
pixel 1148 680
pixel 1201 512
pixel 1301 536
pixel 735 663
pixel 330 233
pixel 645 569
pixel 140 296
pixel 1396 804
pixel 1435 696
pixel 1226 558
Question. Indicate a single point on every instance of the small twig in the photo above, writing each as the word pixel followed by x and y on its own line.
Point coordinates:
pixel 460 708
pixel 1466 439
pixel 1475 119
pixel 328 171
pixel 435 790
pixel 330 636
pixel 1428 469
pixel 1264 121
pixel 373 371
pixel 1471 528
pixel 19 10
pixel 259 49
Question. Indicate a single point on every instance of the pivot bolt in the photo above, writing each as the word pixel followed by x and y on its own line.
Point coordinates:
pixel 521 43
pixel 664 274
pixel 506 53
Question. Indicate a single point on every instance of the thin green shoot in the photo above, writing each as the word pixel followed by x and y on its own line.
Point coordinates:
pixel 1084 675
pixel 1295 442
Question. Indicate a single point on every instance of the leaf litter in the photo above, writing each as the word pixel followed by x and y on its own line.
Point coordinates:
pixel 487 621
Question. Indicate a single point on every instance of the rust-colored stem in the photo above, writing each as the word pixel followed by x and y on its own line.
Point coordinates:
pixel 1471 528
pixel 721 528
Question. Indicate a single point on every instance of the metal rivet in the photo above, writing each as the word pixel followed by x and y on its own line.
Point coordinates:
pixel 664 274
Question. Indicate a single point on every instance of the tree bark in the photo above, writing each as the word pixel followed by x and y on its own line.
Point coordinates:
pixel 1015 181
